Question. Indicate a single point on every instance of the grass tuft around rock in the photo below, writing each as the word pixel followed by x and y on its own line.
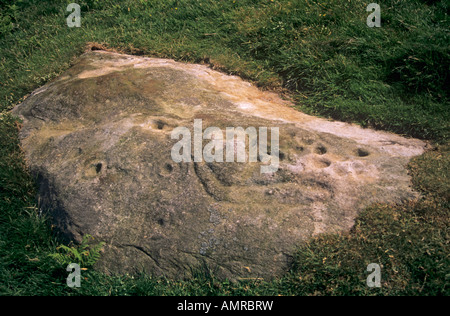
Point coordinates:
pixel 321 54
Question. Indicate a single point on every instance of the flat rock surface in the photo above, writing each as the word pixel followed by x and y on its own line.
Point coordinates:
pixel 98 139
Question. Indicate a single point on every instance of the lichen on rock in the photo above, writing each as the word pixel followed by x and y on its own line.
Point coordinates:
pixel 98 138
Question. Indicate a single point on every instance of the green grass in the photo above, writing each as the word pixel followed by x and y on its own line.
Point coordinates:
pixel 394 77
pixel 320 53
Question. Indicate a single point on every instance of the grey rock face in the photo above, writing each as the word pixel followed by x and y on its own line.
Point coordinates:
pixel 98 139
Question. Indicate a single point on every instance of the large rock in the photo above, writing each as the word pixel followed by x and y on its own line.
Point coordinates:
pixel 98 139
